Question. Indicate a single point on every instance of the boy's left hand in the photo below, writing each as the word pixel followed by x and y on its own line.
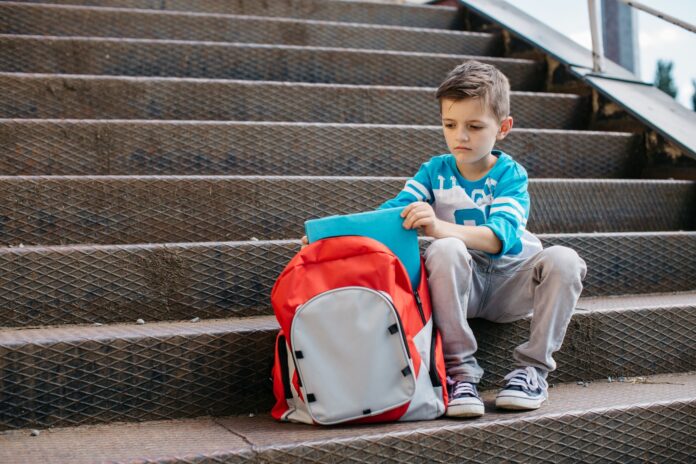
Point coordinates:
pixel 421 214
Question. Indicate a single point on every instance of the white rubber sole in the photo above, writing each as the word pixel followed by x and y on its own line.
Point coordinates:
pixel 517 403
pixel 465 410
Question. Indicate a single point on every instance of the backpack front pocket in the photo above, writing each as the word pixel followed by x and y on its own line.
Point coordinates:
pixel 351 355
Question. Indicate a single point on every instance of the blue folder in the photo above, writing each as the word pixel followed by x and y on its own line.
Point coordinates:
pixel 384 225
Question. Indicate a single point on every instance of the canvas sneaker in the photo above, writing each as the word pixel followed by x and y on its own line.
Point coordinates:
pixel 525 389
pixel 464 400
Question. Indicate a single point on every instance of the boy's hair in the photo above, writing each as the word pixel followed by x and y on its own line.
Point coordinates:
pixel 473 79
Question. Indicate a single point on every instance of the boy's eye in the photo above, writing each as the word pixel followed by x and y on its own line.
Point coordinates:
pixel 449 125
pixel 475 127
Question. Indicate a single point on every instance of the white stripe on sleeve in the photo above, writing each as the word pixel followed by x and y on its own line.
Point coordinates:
pixel 508 209
pixel 512 201
pixel 420 187
pixel 413 192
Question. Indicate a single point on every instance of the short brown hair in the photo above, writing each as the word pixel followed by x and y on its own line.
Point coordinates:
pixel 473 79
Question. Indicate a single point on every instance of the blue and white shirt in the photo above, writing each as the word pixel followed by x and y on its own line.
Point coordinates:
pixel 499 200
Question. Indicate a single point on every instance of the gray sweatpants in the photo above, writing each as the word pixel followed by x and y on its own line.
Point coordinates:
pixel 467 283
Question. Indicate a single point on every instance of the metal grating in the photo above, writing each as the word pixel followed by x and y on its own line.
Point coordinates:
pixel 257 148
pixel 344 11
pixel 98 22
pixel 119 210
pixel 180 281
pixel 70 376
pixel 46 96
pixel 139 57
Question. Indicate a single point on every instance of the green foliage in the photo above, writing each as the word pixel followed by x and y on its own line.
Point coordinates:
pixel 693 97
pixel 663 78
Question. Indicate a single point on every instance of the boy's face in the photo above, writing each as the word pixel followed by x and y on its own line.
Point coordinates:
pixel 471 130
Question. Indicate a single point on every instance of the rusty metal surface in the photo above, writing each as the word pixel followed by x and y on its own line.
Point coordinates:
pixel 76 375
pixel 46 96
pixel 226 439
pixel 57 210
pixel 87 284
pixel 343 11
pixel 141 57
pixel 101 22
pixel 257 148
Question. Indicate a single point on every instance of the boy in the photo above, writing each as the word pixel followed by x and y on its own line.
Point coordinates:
pixel 483 262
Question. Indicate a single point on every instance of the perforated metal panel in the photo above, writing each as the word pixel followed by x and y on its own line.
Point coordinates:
pixel 96 22
pixel 138 57
pixel 62 210
pixel 256 148
pixel 104 97
pixel 112 283
pixel 66 376
pixel 343 11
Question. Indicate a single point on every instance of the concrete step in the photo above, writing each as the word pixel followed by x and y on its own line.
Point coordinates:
pixel 57 20
pixel 48 96
pixel 84 374
pixel 74 147
pixel 112 283
pixel 345 11
pixel 174 58
pixel 643 419
pixel 59 210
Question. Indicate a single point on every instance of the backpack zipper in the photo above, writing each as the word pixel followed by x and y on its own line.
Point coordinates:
pixel 419 303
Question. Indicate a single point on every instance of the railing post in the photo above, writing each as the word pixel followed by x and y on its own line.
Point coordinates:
pixel 597 45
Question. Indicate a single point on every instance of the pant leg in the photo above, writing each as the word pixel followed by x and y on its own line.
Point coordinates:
pixel 455 290
pixel 548 285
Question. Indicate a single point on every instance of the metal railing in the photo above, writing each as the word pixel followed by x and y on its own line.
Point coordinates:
pixel 597 44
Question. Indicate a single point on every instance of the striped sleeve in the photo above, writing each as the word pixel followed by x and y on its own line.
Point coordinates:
pixel 509 210
pixel 417 188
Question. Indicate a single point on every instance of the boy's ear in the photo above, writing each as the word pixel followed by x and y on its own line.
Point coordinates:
pixel 505 128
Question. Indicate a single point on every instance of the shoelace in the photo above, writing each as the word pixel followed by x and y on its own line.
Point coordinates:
pixel 527 378
pixel 462 388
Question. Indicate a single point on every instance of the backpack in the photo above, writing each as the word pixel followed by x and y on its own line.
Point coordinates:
pixel 356 344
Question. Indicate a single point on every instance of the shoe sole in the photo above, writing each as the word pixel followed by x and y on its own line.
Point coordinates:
pixel 465 410
pixel 518 404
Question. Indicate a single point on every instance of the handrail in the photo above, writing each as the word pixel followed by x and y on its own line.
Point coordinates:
pixel 661 15
pixel 598 46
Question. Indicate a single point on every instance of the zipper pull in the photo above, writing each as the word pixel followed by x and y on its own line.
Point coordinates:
pixel 419 303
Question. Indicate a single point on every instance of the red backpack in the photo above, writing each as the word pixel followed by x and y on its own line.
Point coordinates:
pixel 357 344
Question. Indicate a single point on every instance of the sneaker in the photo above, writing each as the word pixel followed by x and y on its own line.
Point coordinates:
pixel 525 389
pixel 464 400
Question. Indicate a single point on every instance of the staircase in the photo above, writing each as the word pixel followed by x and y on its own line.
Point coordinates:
pixel 157 161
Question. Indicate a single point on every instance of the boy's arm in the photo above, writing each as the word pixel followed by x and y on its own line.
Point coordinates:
pixel 421 214
pixel 417 188
pixel 509 212
pixel 506 222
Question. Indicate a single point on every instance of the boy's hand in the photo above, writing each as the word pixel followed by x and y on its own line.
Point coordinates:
pixel 304 241
pixel 421 215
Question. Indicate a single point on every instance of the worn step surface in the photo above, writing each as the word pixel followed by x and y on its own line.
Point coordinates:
pixel 142 57
pixel 48 96
pixel 19 18
pixel 642 419
pixel 83 374
pixel 59 210
pixel 57 147
pixel 438 17
pixel 86 284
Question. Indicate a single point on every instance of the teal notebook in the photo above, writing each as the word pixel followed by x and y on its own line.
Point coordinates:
pixel 384 225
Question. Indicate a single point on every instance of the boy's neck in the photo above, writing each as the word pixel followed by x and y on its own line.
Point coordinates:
pixel 475 171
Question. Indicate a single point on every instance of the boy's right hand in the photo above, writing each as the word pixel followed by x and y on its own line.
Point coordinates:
pixel 304 241
pixel 421 215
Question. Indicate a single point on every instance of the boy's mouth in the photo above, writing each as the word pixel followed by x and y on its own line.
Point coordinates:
pixel 462 148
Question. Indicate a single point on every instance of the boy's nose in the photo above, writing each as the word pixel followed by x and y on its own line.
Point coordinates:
pixel 464 136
